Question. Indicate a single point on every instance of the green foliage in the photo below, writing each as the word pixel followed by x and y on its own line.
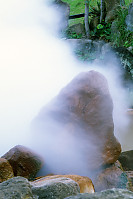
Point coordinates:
pixel 95 10
pixel 102 32
pixel 122 37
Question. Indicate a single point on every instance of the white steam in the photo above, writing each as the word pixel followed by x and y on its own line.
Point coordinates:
pixel 34 66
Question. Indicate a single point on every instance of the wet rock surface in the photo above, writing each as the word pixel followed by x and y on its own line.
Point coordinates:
pixel 85 183
pixel 126 160
pixel 57 188
pixel 23 161
pixel 108 194
pixel 16 188
pixel 111 177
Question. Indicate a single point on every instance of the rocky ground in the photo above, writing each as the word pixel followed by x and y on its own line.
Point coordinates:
pixel 87 105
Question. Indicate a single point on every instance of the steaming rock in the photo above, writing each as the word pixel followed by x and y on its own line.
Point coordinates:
pixel 57 188
pixel 108 194
pixel 23 161
pixel 6 171
pixel 16 188
pixel 85 183
pixel 83 110
pixel 111 177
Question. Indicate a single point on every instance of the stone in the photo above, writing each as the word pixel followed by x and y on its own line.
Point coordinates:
pixel 78 29
pixel 57 188
pixel 126 60
pixel 107 194
pixel 86 49
pixel 16 188
pixel 64 9
pixel 129 18
pixel 23 161
pixel 111 7
pixel 85 183
pixel 130 179
pixel 84 109
pixel 6 171
pixel 111 177
pixel 126 160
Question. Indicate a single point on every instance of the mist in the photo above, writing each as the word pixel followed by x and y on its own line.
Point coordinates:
pixel 34 66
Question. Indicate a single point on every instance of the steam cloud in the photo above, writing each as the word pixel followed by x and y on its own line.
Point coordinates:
pixel 34 66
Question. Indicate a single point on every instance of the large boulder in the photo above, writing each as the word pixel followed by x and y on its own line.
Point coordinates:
pixel 107 194
pixel 6 171
pixel 83 109
pixel 85 183
pixel 16 188
pixel 129 18
pixel 23 161
pixel 111 177
pixel 57 188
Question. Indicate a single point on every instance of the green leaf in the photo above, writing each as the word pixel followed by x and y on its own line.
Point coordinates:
pixel 100 26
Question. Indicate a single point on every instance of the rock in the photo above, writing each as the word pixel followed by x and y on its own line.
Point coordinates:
pixel 84 109
pixel 111 177
pixel 107 194
pixel 126 60
pixel 123 58
pixel 130 178
pixel 6 171
pixel 77 29
pixel 64 9
pixel 111 7
pixel 23 161
pixel 129 18
pixel 16 188
pixel 86 49
pixel 57 188
pixel 126 160
pixel 85 183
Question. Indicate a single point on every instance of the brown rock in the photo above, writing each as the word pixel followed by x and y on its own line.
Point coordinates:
pixel 111 177
pixel 6 171
pixel 85 183
pixel 84 109
pixel 23 161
